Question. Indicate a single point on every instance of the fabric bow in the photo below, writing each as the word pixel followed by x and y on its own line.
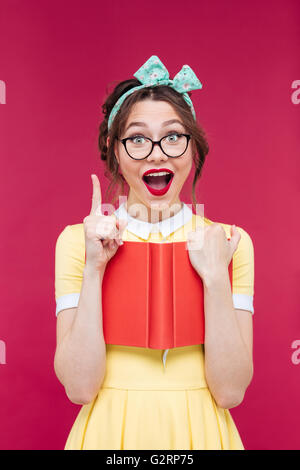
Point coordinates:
pixel 154 73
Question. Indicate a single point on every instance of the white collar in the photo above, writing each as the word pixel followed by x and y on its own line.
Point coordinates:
pixel 142 229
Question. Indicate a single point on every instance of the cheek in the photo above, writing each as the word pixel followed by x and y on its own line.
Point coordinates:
pixel 185 167
pixel 123 162
pixel 129 170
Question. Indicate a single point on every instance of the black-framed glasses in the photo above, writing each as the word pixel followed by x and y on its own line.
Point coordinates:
pixel 140 147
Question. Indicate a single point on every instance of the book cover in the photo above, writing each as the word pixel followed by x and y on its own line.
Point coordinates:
pixel 153 297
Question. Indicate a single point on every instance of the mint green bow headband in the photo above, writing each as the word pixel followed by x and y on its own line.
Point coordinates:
pixel 154 73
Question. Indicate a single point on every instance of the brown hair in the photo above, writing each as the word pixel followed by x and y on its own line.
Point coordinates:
pixel 157 93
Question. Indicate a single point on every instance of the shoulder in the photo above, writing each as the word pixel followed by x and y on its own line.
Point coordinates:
pixel 245 246
pixel 245 240
pixel 71 236
pixel 72 232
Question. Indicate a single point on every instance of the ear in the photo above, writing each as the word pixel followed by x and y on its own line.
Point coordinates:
pixel 107 142
pixel 194 147
pixel 116 151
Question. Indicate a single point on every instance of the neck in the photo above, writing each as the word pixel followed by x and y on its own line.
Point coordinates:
pixel 154 213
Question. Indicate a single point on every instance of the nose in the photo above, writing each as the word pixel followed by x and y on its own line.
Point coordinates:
pixel 157 154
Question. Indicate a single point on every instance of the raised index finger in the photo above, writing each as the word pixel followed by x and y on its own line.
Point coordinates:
pixel 96 198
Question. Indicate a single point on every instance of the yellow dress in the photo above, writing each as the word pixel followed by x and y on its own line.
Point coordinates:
pixel 149 400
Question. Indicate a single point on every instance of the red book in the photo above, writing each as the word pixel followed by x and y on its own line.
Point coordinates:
pixel 152 297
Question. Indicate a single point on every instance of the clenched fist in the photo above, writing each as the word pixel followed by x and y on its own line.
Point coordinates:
pixel 103 233
pixel 210 251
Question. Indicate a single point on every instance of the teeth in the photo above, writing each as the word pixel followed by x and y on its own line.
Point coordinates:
pixel 160 173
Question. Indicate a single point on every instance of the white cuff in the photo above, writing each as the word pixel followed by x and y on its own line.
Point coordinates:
pixel 243 302
pixel 67 301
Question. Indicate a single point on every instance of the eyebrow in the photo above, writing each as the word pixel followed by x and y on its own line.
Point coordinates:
pixel 143 124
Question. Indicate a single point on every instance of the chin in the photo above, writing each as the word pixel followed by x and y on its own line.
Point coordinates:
pixel 161 204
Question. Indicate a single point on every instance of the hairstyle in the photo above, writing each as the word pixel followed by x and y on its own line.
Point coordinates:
pixel 157 93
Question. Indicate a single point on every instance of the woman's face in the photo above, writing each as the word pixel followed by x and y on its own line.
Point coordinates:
pixel 151 121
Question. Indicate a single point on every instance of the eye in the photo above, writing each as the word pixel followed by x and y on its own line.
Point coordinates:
pixel 138 139
pixel 173 138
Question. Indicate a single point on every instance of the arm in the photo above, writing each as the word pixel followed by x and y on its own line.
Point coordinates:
pixel 228 330
pixel 228 343
pixel 80 355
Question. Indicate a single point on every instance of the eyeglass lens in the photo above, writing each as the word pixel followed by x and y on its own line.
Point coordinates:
pixel 173 145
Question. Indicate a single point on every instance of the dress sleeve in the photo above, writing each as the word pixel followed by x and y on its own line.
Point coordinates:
pixel 69 265
pixel 243 273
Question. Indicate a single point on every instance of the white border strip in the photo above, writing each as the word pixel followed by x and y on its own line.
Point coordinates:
pixel 67 301
pixel 243 302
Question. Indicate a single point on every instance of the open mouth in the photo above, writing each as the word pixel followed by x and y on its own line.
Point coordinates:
pixel 159 181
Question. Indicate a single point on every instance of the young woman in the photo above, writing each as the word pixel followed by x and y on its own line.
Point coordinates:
pixel 144 398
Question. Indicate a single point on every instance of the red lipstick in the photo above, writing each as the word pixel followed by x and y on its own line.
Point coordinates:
pixel 156 191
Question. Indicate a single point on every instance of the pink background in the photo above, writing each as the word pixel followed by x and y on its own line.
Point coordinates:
pixel 56 60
